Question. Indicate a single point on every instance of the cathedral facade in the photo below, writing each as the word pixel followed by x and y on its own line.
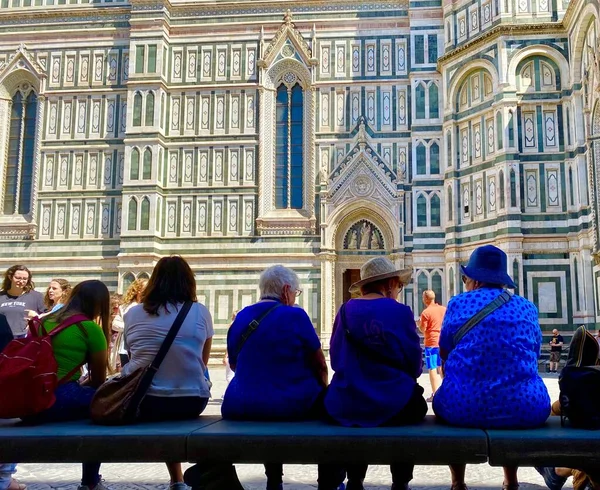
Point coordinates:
pixel 308 133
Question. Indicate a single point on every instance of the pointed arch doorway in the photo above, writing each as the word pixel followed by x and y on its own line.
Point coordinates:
pixel 355 237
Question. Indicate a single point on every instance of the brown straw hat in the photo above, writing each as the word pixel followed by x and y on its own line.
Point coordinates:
pixel 379 268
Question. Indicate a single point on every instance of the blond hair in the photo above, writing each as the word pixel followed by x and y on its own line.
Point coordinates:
pixel 134 291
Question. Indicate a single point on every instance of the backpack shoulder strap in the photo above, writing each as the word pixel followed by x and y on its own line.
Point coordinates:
pixel 492 306
pixel 72 320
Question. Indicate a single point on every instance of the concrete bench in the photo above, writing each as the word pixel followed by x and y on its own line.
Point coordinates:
pixel 211 438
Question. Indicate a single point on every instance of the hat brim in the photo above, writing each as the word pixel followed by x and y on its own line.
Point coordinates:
pixel 490 277
pixel 403 274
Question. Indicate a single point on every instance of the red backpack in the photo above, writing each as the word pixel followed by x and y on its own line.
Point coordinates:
pixel 28 368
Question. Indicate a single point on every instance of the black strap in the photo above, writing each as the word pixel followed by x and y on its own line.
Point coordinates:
pixel 170 338
pixel 252 326
pixel 133 406
pixel 365 349
pixel 504 298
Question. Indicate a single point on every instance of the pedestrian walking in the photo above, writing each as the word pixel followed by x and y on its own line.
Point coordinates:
pixel 430 324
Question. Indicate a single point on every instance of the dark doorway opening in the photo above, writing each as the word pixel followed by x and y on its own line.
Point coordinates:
pixel 350 277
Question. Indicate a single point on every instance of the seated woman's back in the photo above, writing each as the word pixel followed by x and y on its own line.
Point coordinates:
pixel 366 391
pixel 274 378
pixel 182 372
pixel 491 376
pixel 73 346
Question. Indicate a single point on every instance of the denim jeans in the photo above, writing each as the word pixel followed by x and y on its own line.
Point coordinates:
pixel 72 403
pixel 6 472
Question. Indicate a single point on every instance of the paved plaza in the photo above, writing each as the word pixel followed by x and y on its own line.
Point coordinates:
pixel 297 477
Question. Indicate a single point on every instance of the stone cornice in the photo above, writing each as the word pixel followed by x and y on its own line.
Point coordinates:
pixel 63 14
pixel 497 32
pixel 254 7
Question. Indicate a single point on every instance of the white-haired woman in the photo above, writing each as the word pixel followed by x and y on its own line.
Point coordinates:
pixel 280 369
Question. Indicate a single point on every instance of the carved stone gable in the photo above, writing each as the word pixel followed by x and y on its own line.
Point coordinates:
pixel 362 174
pixel 21 59
pixel 288 42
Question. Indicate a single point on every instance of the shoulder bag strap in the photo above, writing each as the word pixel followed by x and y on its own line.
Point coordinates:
pixel 170 338
pixel 365 349
pixel 252 326
pixel 504 298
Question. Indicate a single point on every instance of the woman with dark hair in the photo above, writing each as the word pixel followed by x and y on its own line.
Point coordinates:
pixel 179 390
pixel 81 343
pixel 57 294
pixel 18 299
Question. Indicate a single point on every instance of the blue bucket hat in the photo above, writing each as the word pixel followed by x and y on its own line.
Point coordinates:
pixel 488 264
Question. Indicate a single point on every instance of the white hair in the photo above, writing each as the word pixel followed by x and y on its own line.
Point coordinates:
pixel 273 279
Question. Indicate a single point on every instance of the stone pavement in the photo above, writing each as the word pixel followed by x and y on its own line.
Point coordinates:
pixel 154 476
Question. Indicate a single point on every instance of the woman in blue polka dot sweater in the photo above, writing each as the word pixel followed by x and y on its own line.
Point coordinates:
pixel 491 375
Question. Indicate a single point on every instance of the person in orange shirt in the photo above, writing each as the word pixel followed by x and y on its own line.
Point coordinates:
pixel 431 325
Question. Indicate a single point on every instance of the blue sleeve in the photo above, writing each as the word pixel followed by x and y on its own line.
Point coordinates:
pixel 306 331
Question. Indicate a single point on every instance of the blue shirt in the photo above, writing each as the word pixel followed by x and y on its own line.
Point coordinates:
pixel 364 392
pixel 491 377
pixel 274 378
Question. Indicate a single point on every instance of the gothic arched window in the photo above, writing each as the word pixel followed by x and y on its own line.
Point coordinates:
pixel 436 219
pixel 134 170
pixel 436 285
pixel 434 105
pixel 421 210
pixel 450 204
pixel 149 109
pixel 18 185
pixel 147 166
pixel 289 152
pixel 132 214
pixel 145 214
pixel 499 130
pixel 421 159
pixel 513 189
pixel 420 101
pixel 137 109
pixel 434 159
pixel 501 180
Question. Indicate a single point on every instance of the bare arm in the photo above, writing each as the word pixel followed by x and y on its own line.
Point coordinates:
pixel 319 366
pixel 97 366
pixel 206 351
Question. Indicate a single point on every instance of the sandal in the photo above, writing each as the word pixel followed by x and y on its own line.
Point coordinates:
pixel 510 486
pixel 15 485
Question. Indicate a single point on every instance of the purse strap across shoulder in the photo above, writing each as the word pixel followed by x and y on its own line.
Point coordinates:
pixel 253 325
pixel 170 338
pixel 492 306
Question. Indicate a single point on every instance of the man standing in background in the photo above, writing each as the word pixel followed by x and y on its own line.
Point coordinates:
pixel 556 345
pixel 430 324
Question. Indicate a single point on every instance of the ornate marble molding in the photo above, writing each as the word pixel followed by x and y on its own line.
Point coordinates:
pixel 510 30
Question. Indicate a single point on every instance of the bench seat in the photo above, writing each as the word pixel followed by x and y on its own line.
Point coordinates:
pixel 312 442
pixel 215 439
pixel 83 441
pixel 551 445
